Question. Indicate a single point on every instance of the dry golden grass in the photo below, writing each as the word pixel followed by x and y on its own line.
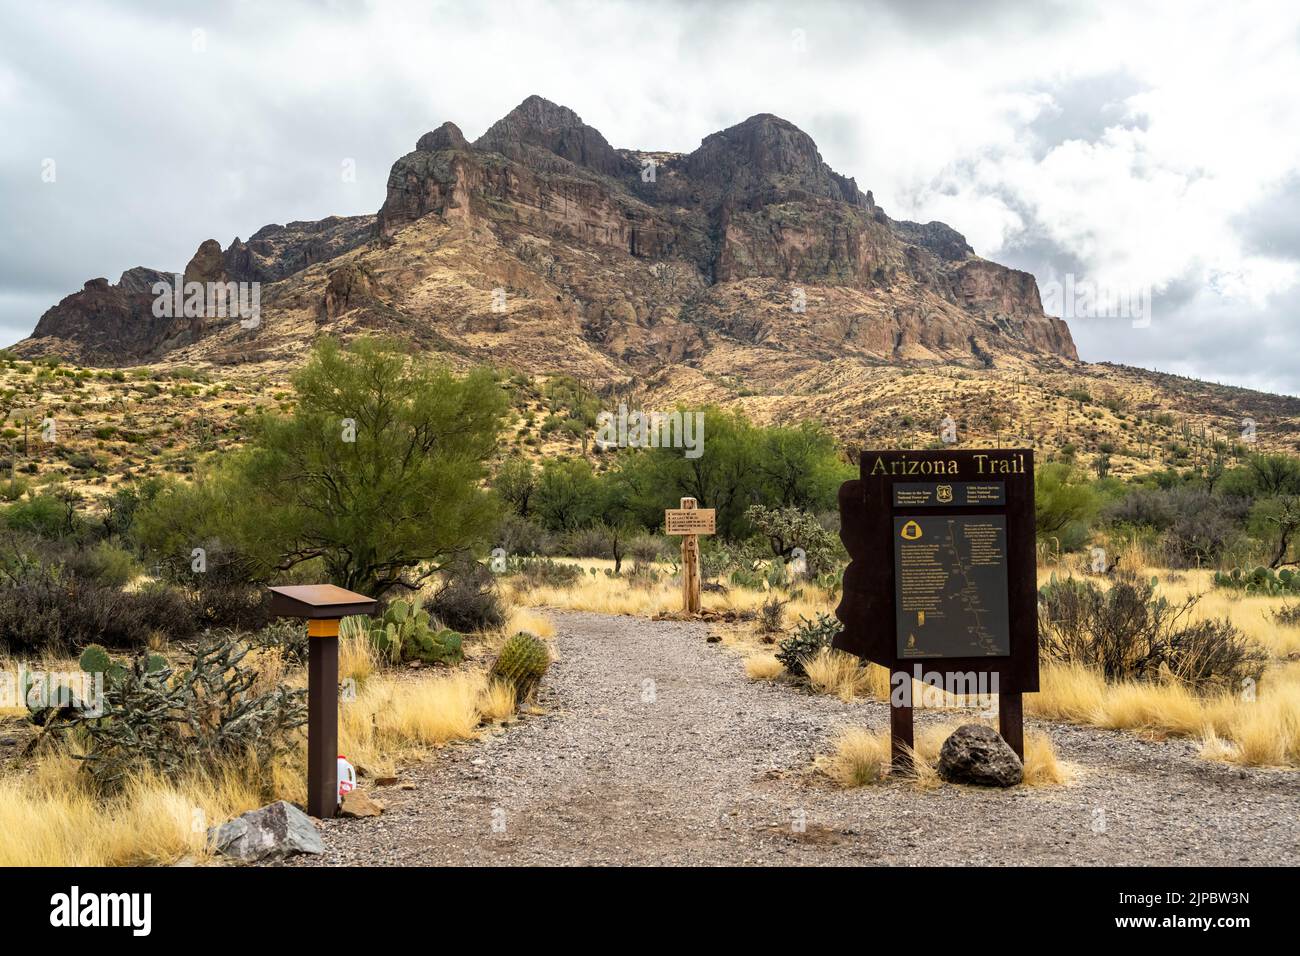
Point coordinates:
pixel 1259 729
pixel 357 656
pixel 526 619
pixel 393 719
pixel 603 594
pixel 860 757
pixel 763 667
pixel 844 676
pixel 497 702
pixel 49 816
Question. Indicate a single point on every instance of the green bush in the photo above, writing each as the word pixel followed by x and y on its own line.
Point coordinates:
pixel 106 564
pixel 809 638
pixel 468 599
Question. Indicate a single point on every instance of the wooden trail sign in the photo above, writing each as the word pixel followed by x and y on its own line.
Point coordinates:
pixel 690 521
pixel 942 577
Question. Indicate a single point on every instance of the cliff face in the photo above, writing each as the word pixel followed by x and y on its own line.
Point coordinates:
pixel 540 244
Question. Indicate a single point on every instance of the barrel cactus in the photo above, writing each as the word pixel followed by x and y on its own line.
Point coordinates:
pixel 522 661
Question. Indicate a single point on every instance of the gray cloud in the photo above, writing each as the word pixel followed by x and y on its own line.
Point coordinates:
pixel 1271 227
pixel 163 137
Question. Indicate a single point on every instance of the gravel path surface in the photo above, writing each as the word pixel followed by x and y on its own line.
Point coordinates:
pixel 655 749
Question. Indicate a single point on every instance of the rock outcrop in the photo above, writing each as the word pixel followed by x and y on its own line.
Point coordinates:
pixel 542 245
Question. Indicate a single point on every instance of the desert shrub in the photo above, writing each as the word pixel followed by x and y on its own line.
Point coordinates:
pixel 288 637
pixel 545 572
pixel 588 542
pixel 210 711
pixel 231 604
pixel 809 638
pixel 522 536
pixel 1064 504
pixel 105 563
pixel 788 528
pixel 13 489
pixel 1128 632
pixel 45 516
pixel 646 549
pixel 1204 528
pixel 771 615
pixel 468 599
pixel 1141 508
pixel 45 609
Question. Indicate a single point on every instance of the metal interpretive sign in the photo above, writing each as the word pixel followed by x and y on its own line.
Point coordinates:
pixel 942 578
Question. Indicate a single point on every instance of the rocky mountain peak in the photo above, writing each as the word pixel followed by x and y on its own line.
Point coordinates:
pixel 765 157
pixel 747 249
pixel 537 124
pixel 446 136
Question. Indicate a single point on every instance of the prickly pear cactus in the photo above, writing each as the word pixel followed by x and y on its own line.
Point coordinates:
pixel 95 660
pixel 522 661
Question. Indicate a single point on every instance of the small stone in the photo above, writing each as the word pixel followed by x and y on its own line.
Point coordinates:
pixel 978 755
pixel 357 804
pixel 271 833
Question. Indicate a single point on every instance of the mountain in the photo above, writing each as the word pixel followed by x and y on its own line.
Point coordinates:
pixel 746 274
pixel 541 246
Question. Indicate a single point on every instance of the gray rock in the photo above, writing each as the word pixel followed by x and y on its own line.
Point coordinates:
pixel 271 833
pixel 977 754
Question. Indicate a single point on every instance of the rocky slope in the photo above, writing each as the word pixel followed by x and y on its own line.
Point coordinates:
pixel 543 247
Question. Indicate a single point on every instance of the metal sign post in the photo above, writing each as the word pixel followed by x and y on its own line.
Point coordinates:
pixel 323 606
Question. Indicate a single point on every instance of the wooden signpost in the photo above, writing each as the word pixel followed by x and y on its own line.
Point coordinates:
pixel 690 521
pixel 942 574
pixel 323 605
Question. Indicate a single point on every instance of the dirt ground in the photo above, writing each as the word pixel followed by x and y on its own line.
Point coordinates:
pixel 655 749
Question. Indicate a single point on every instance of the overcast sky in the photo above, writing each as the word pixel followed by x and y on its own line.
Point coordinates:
pixel 1129 146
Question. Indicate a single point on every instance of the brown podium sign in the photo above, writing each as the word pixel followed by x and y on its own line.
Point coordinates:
pixel 321 605
pixel 943 575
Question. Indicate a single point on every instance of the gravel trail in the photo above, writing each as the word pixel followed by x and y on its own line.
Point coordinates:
pixel 655 749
